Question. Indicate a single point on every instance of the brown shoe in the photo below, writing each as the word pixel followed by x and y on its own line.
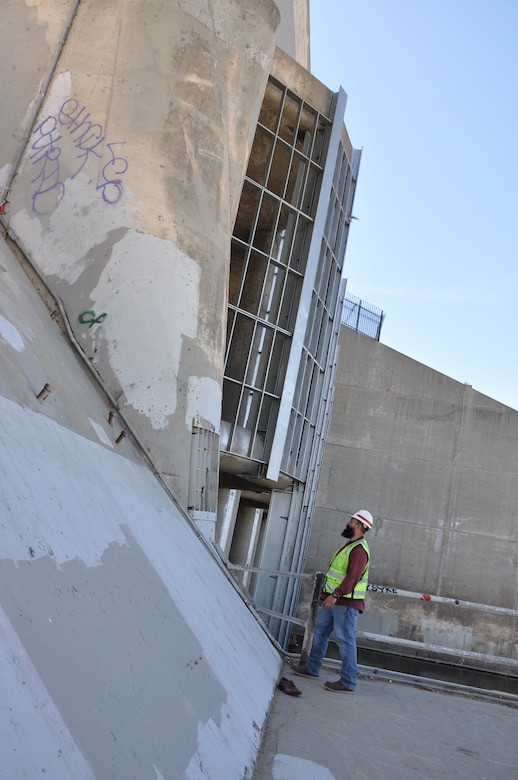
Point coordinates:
pixel 337 686
pixel 302 672
pixel 287 686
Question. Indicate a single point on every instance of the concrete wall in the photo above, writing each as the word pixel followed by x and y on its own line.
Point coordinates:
pixel 134 123
pixel 293 34
pixel 126 651
pixel 436 463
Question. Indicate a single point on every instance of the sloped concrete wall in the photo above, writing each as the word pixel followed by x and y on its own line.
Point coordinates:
pixel 125 650
pixel 124 155
pixel 436 463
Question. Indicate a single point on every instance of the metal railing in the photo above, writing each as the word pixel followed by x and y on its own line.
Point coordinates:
pixel 362 316
pixel 410 594
pixel 309 624
pixel 318 579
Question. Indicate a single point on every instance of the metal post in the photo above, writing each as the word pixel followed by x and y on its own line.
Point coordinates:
pixel 359 310
pixel 312 617
pixel 380 323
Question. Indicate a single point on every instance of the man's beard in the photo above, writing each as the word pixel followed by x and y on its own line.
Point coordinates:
pixel 348 532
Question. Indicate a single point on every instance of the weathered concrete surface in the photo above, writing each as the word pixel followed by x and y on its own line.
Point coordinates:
pixel 436 463
pixel 125 650
pixel 127 189
pixel 293 34
pixel 29 36
pixel 390 729
pixel 460 627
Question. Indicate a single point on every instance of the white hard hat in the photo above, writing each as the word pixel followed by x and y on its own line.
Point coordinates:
pixel 364 517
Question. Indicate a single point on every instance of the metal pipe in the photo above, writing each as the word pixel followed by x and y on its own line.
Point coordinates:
pixel 274 572
pixel 39 100
pixel 494 660
pixel 441 599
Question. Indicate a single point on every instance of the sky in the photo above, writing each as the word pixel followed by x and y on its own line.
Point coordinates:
pixel 432 90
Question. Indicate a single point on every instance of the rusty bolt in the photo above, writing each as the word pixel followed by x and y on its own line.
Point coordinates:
pixel 44 392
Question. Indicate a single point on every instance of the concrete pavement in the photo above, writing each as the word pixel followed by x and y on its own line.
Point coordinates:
pixel 394 727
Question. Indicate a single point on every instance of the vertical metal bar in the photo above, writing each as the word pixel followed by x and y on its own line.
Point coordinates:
pixel 380 323
pixel 358 315
pixel 312 617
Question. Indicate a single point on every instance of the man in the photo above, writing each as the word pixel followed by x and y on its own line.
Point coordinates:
pixel 341 600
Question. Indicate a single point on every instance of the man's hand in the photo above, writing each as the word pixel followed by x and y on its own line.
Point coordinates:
pixel 329 603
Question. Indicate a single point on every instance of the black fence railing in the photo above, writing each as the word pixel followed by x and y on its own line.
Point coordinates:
pixel 362 316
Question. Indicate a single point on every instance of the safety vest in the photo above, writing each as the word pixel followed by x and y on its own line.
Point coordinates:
pixel 338 569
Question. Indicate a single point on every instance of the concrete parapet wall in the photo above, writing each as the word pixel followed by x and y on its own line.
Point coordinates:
pixel 464 628
pixel 435 462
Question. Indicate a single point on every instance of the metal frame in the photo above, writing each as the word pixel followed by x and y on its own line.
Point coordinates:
pixel 292 371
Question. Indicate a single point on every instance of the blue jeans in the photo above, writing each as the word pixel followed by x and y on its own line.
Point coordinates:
pixel 342 622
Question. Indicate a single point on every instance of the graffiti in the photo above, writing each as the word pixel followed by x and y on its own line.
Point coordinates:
pixel 381 589
pixel 86 136
pixel 50 190
pixel 88 139
pixel 89 317
pixel 112 188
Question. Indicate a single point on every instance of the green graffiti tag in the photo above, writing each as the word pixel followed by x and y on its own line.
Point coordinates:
pixel 90 318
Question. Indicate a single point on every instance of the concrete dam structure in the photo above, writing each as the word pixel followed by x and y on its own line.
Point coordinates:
pixel 176 200
pixel 123 158
pixel 127 650
pixel 183 421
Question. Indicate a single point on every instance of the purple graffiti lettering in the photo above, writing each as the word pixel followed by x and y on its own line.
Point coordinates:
pixel 50 190
pixel 86 152
pixel 90 131
pixel 122 162
pixel 88 139
pixel 45 205
pixel 111 188
pixel 45 144
pixel 86 135
pixel 111 191
pixel 69 119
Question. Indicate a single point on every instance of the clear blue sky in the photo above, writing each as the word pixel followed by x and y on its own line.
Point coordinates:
pixel 432 91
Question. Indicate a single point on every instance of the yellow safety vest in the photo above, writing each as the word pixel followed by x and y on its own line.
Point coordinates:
pixel 338 569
